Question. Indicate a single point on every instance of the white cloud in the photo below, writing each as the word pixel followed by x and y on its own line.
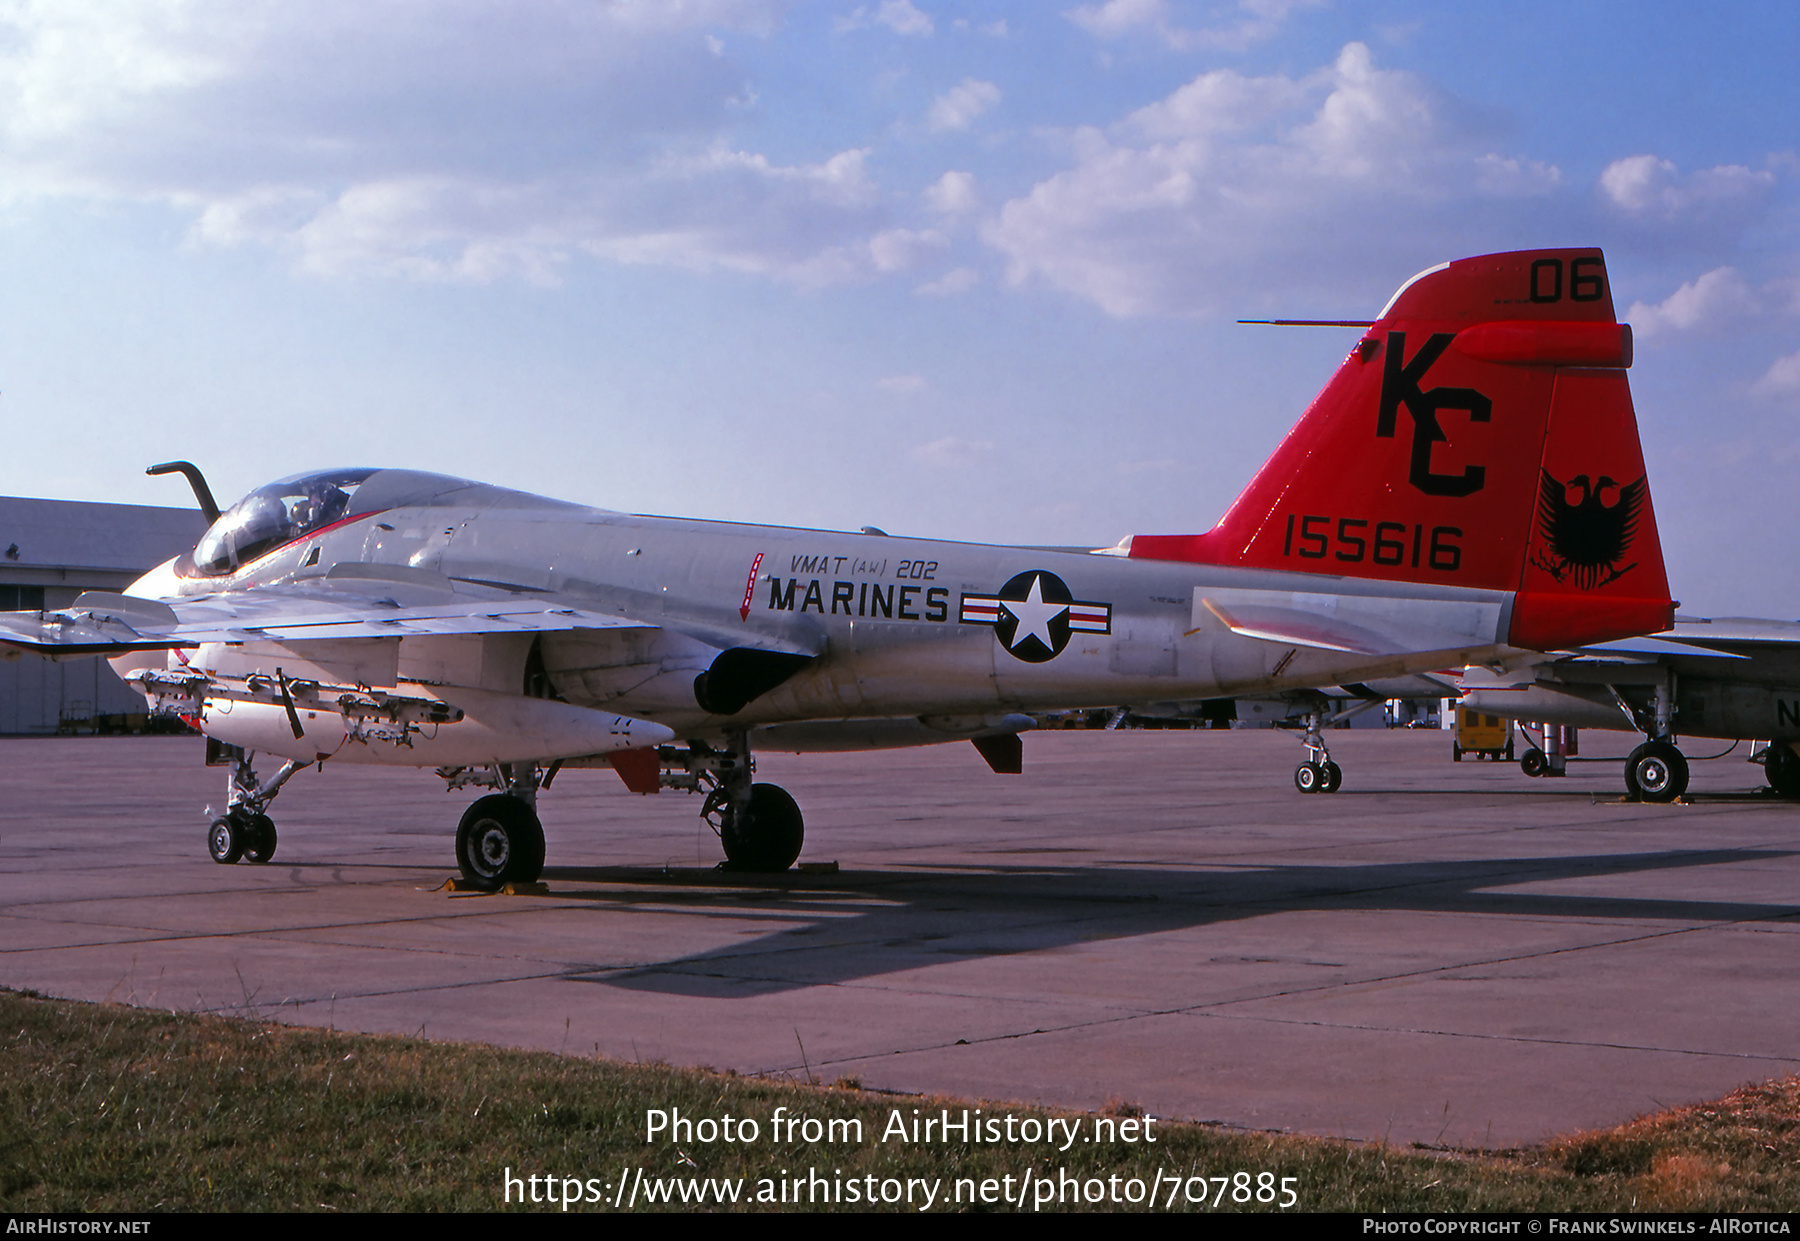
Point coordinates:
pixel 1233 189
pixel 1119 17
pixel 197 88
pixel 900 16
pixel 952 194
pixel 902 383
pixel 1116 19
pixel 1646 186
pixel 1719 297
pixel 427 229
pixel 897 249
pixel 958 107
pixel 956 280
pixel 467 140
pixel 1223 102
pixel 807 224
pixel 903 18
pixel 1782 377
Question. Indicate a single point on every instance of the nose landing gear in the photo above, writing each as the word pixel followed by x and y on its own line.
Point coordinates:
pixel 1318 774
pixel 1320 777
pixel 245 831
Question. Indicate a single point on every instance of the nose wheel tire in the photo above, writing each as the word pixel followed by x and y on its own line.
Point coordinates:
pixel 241 835
pixel 259 838
pixel 1534 763
pixel 1325 777
pixel 767 836
pixel 500 841
pixel 224 841
pixel 1656 771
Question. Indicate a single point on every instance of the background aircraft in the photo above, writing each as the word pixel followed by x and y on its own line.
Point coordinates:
pixel 391 616
pixel 1731 678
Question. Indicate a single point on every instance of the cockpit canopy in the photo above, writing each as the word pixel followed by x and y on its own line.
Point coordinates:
pixel 281 512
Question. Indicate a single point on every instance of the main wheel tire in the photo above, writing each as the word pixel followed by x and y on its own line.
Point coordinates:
pixel 1632 791
pixel 1334 776
pixel 1656 771
pixel 768 835
pixel 1783 769
pixel 225 841
pixel 259 838
pixel 1309 777
pixel 1534 763
pixel 499 841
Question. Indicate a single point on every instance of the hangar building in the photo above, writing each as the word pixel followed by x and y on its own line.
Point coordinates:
pixel 51 551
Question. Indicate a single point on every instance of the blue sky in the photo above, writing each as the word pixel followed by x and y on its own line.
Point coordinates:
pixel 961 270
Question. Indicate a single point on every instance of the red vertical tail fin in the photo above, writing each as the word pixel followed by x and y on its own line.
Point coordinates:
pixel 1480 434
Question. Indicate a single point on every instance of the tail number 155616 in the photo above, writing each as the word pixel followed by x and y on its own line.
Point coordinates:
pixel 1356 540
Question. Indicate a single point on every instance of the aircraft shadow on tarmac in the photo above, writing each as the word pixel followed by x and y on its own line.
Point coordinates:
pixel 865 924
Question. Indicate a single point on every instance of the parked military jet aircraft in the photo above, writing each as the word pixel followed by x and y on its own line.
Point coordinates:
pixel 389 616
pixel 1731 678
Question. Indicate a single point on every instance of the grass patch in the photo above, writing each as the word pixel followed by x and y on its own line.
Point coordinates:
pixel 105 1108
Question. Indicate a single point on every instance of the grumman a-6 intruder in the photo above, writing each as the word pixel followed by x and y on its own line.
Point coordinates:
pixel 389 616
pixel 1734 678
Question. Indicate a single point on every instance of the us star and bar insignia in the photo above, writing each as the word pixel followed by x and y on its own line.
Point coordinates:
pixel 1034 614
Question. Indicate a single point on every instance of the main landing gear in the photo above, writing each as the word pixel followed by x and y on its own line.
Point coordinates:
pixel 1782 767
pixel 500 839
pixel 1656 771
pixel 759 825
pixel 245 831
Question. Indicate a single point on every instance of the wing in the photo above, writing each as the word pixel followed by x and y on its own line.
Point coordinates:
pixel 351 605
pixel 339 620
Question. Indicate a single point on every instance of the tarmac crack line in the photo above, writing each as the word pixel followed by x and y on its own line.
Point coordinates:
pixel 1491 961
pixel 152 935
pixel 1209 1010
pixel 1505 1038
pixel 339 996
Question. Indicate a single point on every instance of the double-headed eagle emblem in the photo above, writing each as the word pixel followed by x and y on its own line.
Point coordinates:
pixel 1585 539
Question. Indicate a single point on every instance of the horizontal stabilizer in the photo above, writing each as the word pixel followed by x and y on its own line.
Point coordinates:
pixel 1374 626
pixel 1286 625
pixel 1652 648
